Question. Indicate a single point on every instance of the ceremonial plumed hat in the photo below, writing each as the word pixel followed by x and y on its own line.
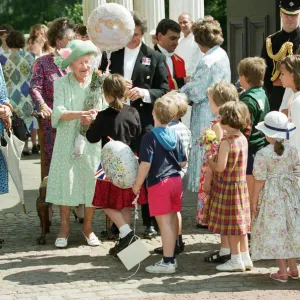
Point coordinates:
pixel 290 7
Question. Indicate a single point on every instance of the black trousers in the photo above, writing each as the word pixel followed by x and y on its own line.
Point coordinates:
pixel 147 220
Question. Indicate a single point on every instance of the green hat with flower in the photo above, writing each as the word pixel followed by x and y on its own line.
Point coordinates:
pixel 74 50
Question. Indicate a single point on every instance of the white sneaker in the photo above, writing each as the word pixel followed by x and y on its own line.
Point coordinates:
pixel 161 268
pixel 230 266
pixel 92 240
pixel 61 242
pixel 248 264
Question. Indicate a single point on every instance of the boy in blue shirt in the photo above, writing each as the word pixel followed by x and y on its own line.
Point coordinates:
pixel 162 156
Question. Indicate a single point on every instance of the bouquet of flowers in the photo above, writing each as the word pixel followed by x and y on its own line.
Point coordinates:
pixel 210 141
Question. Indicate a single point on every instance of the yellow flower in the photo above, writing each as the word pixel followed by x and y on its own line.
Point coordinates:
pixel 210 135
pixel 208 147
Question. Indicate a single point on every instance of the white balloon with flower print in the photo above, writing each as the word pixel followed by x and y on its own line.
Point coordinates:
pixel 119 164
pixel 110 27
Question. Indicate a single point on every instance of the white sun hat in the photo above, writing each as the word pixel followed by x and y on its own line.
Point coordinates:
pixel 276 125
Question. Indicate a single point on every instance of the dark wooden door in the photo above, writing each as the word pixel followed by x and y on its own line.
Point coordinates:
pixel 249 23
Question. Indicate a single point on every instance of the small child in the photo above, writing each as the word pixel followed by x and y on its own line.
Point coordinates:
pixel 252 73
pixel 184 135
pixel 276 199
pixel 229 200
pixel 162 157
pixel 219 94
pixel 94 102
pixel 122 123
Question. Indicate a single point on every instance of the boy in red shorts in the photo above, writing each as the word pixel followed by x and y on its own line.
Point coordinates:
pixel 162 156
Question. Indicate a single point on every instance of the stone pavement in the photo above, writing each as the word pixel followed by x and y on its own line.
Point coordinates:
pixel 31 271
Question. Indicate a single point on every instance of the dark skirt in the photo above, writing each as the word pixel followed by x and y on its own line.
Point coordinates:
pixel 108 195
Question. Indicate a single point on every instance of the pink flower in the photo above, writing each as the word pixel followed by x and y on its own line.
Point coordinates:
pixel 65 52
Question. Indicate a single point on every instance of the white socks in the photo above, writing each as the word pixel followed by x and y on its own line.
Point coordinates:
pixel 236 258
pixel 79 146
pixel 245 256
pixel 124 230
pixel 224 251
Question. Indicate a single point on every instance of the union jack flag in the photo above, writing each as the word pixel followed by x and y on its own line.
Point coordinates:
pixel 100 174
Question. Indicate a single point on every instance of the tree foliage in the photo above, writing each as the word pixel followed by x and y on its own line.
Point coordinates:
pixel 217 9
pixel 22 14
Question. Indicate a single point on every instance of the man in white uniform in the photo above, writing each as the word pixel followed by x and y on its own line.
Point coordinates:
pixel 189 50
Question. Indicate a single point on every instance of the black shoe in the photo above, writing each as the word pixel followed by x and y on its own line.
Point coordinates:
pixel 178 249
pixel 1 241
pixel 26 153
pixel 202 226
pixel 150 232
pixel 121 244
pixel 35 149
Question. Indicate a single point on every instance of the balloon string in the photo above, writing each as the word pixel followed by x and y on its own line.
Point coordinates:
pixel 108 53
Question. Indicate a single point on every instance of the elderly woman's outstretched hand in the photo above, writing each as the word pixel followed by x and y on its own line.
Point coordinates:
pixel 89 116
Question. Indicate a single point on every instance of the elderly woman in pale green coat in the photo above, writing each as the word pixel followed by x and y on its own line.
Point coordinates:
pixel 71 181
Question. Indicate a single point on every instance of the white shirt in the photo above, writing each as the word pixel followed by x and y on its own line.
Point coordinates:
pixel 130 56
pixel 189 50
pixel 169 59
pixel 294 116
pixel 288 94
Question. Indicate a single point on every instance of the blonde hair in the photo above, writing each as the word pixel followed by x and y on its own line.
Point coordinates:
pixel 208 32
pixel 222 92
pixel 181 101
pixel 292 65
pixel 254 69
pixel 165 109
pixel 234 114
pixel 114 87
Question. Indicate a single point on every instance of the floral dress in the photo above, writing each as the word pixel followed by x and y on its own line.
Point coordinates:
pixel 203 198
pixel 3 168
pixel 212 67
pixel 17 69
pixel 229 211
pixel 44 73
pixel 275 232
pixel 71 181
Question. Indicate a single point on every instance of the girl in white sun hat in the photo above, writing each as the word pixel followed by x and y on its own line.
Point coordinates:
pixel 276 201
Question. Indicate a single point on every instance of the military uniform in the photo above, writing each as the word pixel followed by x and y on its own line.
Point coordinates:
pixel 276 47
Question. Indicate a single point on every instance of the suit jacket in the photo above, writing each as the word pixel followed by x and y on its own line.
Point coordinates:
pixel 176 82
pixel 153 77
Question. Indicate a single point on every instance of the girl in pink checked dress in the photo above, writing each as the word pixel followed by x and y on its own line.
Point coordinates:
pixel 229 200
pixel 219 94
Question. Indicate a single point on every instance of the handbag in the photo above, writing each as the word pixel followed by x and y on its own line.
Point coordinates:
pixel 19 128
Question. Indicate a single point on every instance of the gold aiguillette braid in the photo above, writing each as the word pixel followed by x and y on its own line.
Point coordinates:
pixel 286 49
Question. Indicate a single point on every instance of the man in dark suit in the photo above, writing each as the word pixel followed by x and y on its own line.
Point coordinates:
pixel 147 79
pixel 168 34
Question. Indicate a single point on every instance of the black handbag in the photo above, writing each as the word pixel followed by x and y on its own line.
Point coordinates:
pixel 19 128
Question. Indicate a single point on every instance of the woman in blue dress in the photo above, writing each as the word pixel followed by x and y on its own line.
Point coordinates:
pixel 213 67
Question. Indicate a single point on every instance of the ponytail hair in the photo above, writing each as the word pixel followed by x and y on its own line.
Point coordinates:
pixel 116 104
pixel 114 87
pixel 279 147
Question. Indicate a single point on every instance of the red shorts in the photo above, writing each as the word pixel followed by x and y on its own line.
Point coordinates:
pixel 165 197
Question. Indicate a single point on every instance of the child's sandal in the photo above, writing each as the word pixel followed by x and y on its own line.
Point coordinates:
pixel 294 274
pixel 279 277
pixel 216 258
